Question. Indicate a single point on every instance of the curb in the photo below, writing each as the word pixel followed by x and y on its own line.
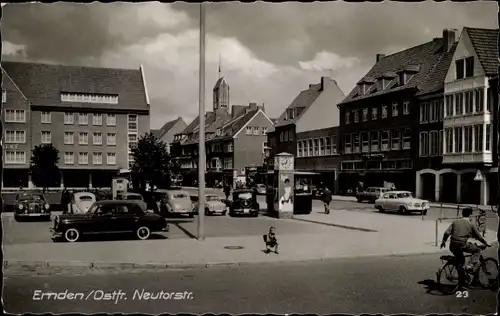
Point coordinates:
pixel 336 225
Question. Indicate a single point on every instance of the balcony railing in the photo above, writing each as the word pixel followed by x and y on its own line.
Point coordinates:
pixel 474 157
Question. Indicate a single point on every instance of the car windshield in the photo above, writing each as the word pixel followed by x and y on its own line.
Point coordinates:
pixel 86 198
pixel 134 197
pixel 403 195
pixel 93 208
pixel 179 196
pixel 212 198
pixel 244 196
pixel 30 197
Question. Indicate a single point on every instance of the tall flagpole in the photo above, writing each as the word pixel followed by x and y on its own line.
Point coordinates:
pixel 201 149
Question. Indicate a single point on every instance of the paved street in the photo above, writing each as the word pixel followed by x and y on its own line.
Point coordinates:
pixel 386 285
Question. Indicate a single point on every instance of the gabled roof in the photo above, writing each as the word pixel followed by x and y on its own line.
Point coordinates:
pixel 435 79
pixel 212 122
pixel 166 127
pixel 423 56
pixel 304 100
pixel 485 42
pixel 232 127
pixel 42 84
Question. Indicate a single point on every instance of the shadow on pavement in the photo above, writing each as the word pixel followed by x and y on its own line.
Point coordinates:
pixel 432 287
pixel 185 231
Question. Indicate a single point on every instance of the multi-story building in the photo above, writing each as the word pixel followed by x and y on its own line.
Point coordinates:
pixel 377 129
pixel 168 131
pixel 470 161
pixel 312 115
pixel 91 115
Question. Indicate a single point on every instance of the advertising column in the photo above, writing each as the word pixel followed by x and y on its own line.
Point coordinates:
pixel 284 169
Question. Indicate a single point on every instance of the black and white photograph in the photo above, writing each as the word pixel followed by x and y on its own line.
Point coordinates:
pixel 287 158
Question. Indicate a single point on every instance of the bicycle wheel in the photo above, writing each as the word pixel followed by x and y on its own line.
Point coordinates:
pixel 488 273
pixel 448 278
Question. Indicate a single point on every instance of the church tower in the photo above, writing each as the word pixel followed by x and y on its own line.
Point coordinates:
pixel 221 92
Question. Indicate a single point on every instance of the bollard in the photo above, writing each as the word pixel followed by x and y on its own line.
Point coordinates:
pixel 437 233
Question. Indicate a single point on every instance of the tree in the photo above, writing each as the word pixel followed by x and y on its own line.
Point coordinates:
pixel 152 163
pixel 43 165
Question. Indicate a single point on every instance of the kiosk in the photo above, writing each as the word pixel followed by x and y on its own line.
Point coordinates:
pixel 119 185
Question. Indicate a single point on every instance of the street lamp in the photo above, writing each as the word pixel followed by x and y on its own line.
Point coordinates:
pixel 201 149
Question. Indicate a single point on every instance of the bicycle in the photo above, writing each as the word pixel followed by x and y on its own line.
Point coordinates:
pixel 486 274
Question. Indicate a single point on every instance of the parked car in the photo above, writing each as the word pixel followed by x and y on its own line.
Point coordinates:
pixel 401 201
pixel 131 196
pixel 108 217
pixel 244 202
pixel 370 194
pixel 261 189
pixel 83 201
pixel 31 204
pixel 177 202
pixel 213 205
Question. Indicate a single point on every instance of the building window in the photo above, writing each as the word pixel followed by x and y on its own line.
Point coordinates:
pixel 373 165
pixel 46 137
pixel 468 139
pixel 97 159
pixel 256 130
pixel 490 100
pixel 347 165
pixel 69 158
pixel 423 144
pixel 328 146
pixel 479 94
pixel 407 138
pixel 69 138
pixel 310 148
pixel 286 135
pixel 359 165
pixel 264 130
pixel 334 145
pixel 434 111
pixel 459 103
pixel 459 66
pixel 89 98
pixel 469 67
pixel 395 139
pixel 46 118
pixel 449 106
pixel 316 147
pixel 356 116
pixel 448 139
pixel 15 157
pixel 469 108
pixel 111 159
pixel 133 122
pixel 365 142
pixel 404 164
pixel 458 139
pixel 290 114
pixel 355 142
pixel 365 115
pixel 83 138
pixel 97 138
pixel 15 116
pixel 97 119
pixel 347 117
pixel 4 96
pixel 488 137
pixel 83 159
pixel 440 143
pixel 424 112
pixel 374 114
pixel 299 149
pixel 374 141
pixel 406 108
pixel 391 164
pixel 347 144
pixel 384 140
pixel 321 146
pixel 306 148
pixel 111 119
pixel 69 118
pixel 248 131
pixel 384 111
pixel 395 109
pixel 15 137
pixel 478 138
pixel 433 143
pixel 83 119
pixel 230 147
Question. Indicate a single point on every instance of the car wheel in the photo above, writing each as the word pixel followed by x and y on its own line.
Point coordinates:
pixel 359 200
pixel 71 235
pixel 424 212
pixel 17 218
pixel 255 214
pixel 380 209
pixel 143 232
pixel 207 212
pixel 191 215
pixel 224 213
pixel 402 210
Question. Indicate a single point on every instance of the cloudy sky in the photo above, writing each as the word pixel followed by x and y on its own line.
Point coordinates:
pixel 269 52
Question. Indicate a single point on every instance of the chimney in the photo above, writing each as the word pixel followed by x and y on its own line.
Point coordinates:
pixel 379 57
pixel 252 106
pixel 323 83
pixel 449 38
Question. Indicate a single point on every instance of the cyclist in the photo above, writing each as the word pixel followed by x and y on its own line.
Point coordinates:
pixel 460 231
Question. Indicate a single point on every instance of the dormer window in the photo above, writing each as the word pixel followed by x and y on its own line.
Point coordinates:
pixel 219 132
pixel 290 114
pixel 407 73
pixel 347 117
pixel 385 80
pixel 356 116
pixel 365 85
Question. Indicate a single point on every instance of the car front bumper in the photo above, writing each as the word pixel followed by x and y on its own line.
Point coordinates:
pixel 32 214
pixel 417 208
pixel 245 210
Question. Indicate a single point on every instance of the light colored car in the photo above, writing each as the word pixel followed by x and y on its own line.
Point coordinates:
pixel 83 201
pixel 261 188
pixel 177 202
pixel 131 196
pixel 401 201
pixel 213 205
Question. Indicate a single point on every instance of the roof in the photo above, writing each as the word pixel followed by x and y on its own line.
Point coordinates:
pixel 435 79
pixel 232 127
pixel 118 202
pixel 485 42
pixel 304 100
pixel 220 82
pixel 424 56
pixel 212 122
pixel 42 84
pixel 166 127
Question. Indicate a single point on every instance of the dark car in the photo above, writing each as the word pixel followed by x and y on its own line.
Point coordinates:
pixel 244 202
pixel 105 217
pixel 30 205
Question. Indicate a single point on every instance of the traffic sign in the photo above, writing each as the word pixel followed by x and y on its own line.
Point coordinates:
pixel 479 176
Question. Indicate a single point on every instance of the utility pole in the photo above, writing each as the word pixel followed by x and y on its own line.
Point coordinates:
pixel 201 149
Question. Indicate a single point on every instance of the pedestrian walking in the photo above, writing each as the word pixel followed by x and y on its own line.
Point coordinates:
pixel 227 190
pixel 71 203
pixel 327 199
pixel 65 201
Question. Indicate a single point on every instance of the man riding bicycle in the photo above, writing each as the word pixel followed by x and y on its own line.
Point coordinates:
pixel 460 231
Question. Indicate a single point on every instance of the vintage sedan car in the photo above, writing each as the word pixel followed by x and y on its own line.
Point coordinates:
pixel 30 205
pixel 371 194
pixel 109 217
pixel 83 201
pixel 213 205
pixel 401 201
pixel 131 196
pixel 177 202
pixel 244 202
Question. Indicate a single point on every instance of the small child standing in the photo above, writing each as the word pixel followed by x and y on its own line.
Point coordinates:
pixel 271 241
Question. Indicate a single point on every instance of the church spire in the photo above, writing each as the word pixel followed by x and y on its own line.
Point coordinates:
pixel 220 67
